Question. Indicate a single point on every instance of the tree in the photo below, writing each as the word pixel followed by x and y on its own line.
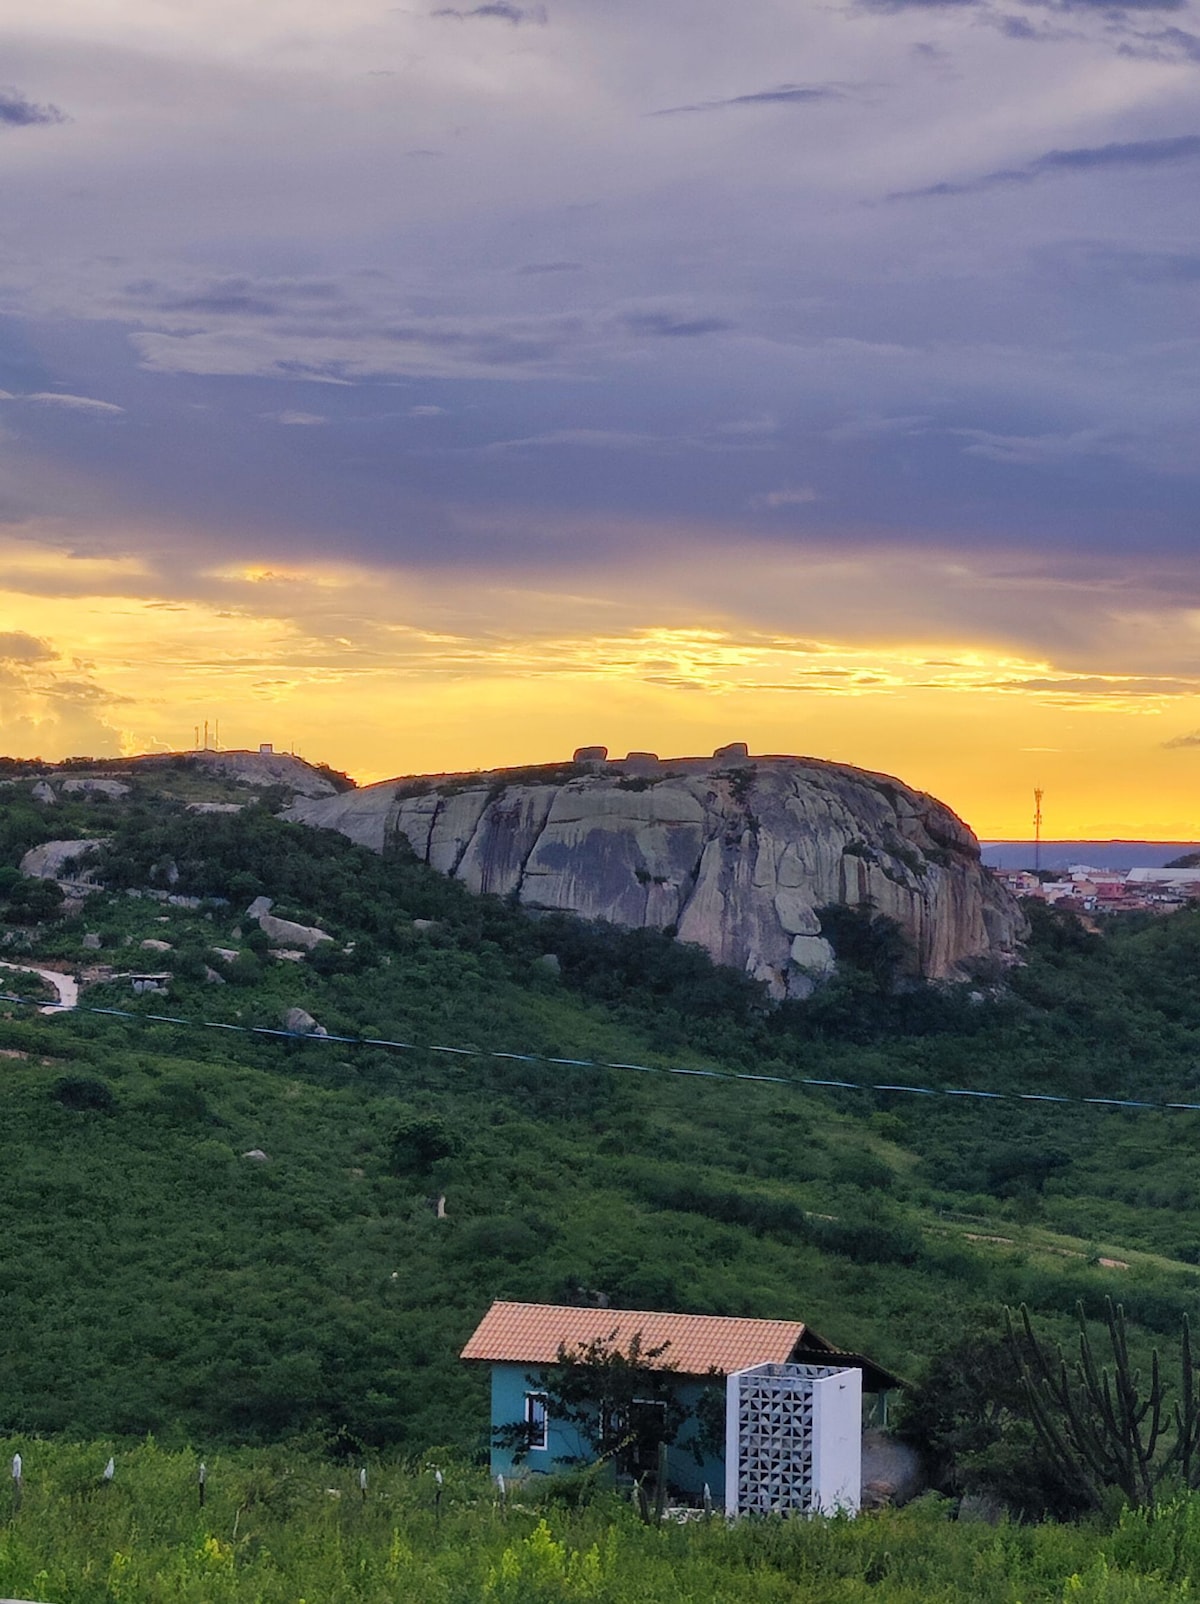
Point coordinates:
pixel 869 941
pixel 622 1402
pixel 970 1418
pixel 32 901
pixel 418 1141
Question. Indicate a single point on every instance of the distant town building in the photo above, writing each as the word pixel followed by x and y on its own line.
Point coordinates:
pixel 1103 891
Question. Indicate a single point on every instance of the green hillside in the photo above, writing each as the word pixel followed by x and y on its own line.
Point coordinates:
pixel 157 1279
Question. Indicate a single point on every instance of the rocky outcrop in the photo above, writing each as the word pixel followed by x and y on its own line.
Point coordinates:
pixel 114 790
pixel 265 768
pixel 255 769
pixel 733 853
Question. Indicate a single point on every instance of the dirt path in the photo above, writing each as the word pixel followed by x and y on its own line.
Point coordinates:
pixel 66 986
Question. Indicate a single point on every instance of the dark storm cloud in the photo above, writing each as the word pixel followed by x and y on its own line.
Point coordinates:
pixel 500 10
pixel 633 287
pixel 781 95
pixel 1134 153
pixel 17 112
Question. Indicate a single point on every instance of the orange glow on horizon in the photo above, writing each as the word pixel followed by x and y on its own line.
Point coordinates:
pixel 380 675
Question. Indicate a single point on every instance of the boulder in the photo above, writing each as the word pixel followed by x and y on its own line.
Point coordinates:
pixel 892 1471
pixel 153 945
pixel 285 932
pixel 44 793
pixel 734 853
pixel 302 1023
pixel 57 860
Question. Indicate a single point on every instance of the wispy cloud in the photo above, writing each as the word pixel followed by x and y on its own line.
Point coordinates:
pixel 780 95
pixel 586 439
pixel 72 403
pixel 1162 44
pixel 18 112
pixel 770 500
pixel 532 269
pixel 497 10
pixel 1086 158
pixel 1180 741
pixel 1031 450
pixel 673 325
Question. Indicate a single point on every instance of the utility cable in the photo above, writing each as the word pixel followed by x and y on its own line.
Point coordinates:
pixel 313 1038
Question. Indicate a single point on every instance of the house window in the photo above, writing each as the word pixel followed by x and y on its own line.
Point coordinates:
pixel 537 1422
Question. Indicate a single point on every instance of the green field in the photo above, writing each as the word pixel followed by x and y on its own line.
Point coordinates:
pixel 279 1527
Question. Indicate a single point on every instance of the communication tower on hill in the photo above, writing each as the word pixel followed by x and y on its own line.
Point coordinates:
pixel 1038 793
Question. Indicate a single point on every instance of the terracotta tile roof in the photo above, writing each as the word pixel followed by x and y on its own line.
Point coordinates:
pixel 531 1333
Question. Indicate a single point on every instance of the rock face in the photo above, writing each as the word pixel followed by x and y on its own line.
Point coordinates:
pixel 733 853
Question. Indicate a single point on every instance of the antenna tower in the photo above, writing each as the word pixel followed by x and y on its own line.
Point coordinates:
pixel 1038 793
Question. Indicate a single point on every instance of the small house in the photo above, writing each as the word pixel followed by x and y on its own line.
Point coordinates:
pixel 764 1415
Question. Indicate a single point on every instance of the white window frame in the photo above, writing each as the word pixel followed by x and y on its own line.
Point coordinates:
pixel 537 1416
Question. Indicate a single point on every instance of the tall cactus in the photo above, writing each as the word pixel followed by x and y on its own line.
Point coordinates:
pixel 1103 1426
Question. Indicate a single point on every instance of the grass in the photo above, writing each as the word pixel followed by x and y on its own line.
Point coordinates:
pixel 283 1526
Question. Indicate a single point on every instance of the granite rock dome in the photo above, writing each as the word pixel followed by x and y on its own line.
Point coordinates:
pixel 731 852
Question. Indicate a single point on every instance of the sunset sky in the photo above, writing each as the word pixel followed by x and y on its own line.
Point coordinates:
pixel 441 386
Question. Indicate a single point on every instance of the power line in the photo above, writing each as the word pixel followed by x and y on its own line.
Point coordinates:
pixel 793 1081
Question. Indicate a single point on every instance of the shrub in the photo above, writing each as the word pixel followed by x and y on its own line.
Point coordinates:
pixel 84 1094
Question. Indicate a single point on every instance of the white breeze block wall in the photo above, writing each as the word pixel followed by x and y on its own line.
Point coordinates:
pixel 793 1439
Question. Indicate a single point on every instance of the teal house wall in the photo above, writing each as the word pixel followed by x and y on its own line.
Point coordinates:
pixel 511 1383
